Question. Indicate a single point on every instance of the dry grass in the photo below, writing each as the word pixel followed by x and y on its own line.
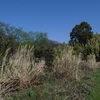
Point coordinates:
pixel 98 64
pixel 66 63
pixel 19 70
pixel 72 66
pixel 71 70
pixel 92 61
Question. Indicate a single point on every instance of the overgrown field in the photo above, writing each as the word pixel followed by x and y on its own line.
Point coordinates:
pixel 22 77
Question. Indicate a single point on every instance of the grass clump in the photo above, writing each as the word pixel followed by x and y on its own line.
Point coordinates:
pixel 19 71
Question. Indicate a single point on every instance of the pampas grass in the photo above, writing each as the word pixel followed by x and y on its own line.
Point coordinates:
pixel 70 65
pixel 66 63
pixel 91 59
pixel 19 70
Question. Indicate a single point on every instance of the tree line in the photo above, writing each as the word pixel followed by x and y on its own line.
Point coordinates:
pixel 82 39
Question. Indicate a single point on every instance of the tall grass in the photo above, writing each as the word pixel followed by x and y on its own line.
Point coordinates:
pixel 19 70
pixel 91 59
pixel 66 63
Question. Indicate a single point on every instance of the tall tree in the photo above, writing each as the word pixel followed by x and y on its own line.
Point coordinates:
pixel 81 33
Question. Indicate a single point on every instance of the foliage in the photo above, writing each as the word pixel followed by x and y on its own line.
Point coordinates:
pixel 49 58
pixel 81 33
pixel 93 47
pixel 7 40
pixel 47 55
pixel 41 41
pixel 11 37
pixel 78 48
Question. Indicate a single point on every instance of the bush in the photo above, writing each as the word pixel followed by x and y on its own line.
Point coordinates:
pixel 92 47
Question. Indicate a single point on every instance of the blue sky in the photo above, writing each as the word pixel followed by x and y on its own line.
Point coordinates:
pixel 55 17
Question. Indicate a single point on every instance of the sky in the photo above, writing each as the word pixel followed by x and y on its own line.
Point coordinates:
pixel 55 17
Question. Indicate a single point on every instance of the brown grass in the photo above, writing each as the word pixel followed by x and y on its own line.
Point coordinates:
pixel 66 63
pixel 19 70
pixel 91 59
pixel 72 66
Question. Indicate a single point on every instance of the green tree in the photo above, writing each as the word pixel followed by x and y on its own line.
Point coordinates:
pixel 42 41
pixel 7 37
pixel 93 47
pixel 81 33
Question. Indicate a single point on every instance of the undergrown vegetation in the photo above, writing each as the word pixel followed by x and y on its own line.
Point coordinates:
pixel 32 67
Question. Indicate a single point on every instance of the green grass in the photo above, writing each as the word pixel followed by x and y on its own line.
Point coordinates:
pixel 43 92
pixel 95 93
pixel 50 90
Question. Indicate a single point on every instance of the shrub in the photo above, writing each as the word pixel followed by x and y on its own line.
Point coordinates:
pixel 92 47
pixel 47 55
